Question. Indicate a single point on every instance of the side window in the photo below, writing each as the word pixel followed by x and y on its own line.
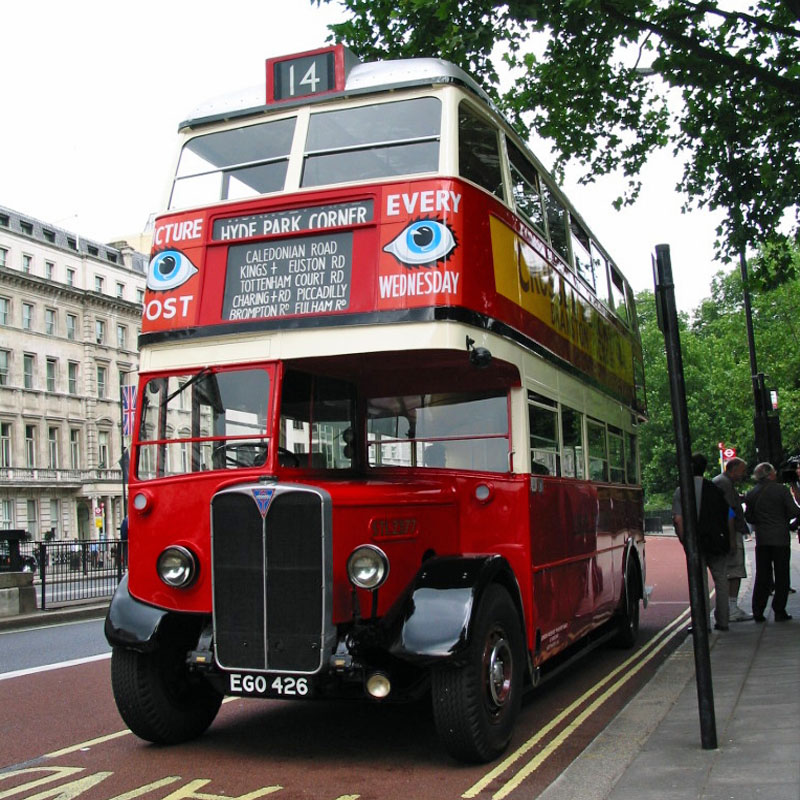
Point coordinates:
pixel 557 223
pixel 479 151
pixel 572 447
pixel 580 252
pixel 600 269
pixel 598 451
pixel 618 295
pixel 631 459
pixel 616 455
pixel 543 421
pixel 525 187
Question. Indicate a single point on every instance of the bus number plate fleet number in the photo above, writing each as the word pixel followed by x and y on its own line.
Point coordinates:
pixel 269 685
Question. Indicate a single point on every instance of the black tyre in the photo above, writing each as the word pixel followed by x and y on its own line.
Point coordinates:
pixel 476 703
pixel 628 620
pixel 158 698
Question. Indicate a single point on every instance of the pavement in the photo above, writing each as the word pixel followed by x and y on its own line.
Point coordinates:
pixel 652 749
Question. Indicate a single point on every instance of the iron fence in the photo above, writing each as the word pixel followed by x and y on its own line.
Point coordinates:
pixel 66 572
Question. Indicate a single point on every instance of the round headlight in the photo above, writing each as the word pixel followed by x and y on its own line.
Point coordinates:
pixel 367 567
pixel 177 566
pixel 141 501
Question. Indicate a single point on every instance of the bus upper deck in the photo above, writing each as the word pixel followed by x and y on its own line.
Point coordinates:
pixel 399 195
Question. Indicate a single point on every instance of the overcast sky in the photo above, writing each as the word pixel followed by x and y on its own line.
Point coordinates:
pixel 94 91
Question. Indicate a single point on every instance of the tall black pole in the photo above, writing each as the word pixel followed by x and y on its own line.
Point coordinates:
pixel 668 322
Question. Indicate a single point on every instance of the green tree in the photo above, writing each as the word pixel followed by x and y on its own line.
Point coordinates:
pixel 731 109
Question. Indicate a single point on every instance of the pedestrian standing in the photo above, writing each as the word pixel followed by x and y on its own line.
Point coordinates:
pixel 715 534
pixel 772 510
pixel 734 473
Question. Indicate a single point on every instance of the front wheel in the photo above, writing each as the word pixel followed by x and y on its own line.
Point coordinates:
pixel 476 703
pixel 158 698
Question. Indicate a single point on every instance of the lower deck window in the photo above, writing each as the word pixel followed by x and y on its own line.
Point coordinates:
pixel 462 431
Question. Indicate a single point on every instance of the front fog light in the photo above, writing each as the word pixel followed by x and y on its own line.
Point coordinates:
pixel 177 566
pixel 367 567
pixel 378 685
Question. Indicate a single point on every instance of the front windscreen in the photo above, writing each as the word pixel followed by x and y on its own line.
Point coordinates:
pixel 206 420
pixel 453 430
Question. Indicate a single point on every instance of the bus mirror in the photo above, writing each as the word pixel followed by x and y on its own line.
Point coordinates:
pixel 478 356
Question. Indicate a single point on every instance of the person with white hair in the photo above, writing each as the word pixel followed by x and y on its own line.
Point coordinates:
pixel 772 510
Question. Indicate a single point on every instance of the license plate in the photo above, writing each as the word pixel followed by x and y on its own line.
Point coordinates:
pixel 268 685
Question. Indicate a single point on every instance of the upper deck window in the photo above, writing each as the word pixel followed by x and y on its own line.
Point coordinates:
pixel 525 186
pixel 375 141
pixel 233 164
pixel 479 151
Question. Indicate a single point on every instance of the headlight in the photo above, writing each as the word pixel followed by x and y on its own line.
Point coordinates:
pixel 367 567
pixel 177 566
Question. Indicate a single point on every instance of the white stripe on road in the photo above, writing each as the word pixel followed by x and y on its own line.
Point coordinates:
pixel 47 667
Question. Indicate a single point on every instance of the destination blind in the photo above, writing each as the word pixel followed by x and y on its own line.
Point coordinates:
pixel 302 275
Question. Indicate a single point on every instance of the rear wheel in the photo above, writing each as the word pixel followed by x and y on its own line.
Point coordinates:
pixel 157 696
pixel 476 702
pixel 628 623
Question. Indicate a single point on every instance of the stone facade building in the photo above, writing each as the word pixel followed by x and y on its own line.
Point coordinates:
pixel 70 312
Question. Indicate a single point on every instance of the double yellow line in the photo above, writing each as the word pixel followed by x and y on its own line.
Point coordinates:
pixel 617 678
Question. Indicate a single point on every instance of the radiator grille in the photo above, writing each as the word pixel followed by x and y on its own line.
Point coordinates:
pixel 269 580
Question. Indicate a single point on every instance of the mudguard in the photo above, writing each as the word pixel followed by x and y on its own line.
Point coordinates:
pixel 131 623
pixel 434 619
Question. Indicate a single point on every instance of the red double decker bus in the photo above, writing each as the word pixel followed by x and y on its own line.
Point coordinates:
pixel 386 432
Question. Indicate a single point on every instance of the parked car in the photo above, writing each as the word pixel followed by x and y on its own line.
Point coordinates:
pixel 29 562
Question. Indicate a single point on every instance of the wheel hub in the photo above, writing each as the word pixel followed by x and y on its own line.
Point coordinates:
pixel 498 664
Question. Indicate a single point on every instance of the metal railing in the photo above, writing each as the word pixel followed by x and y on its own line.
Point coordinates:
pixel 69 572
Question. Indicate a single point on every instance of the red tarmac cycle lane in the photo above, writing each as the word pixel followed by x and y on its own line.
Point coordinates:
pixel 315 750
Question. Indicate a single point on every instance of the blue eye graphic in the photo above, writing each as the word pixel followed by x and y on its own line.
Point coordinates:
pixel 168 270
pixel 423 242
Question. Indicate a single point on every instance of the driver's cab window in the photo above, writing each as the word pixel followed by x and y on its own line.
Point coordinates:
pixel 317 425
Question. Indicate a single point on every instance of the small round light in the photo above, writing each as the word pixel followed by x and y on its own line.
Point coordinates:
pixel 367 567
pixel 140 501
pixel 177 566
pixel 378 685
pixel 483 493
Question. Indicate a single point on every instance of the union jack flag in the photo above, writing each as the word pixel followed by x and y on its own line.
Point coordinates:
pixel 128 408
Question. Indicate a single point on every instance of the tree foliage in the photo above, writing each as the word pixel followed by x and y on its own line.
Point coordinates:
pixel 720 86
pixel 716 362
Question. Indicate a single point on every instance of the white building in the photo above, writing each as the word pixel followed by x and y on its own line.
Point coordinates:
pixel 70 312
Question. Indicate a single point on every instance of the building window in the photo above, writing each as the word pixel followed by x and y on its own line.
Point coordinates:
pixel 5 310
pixel 101 382
pixel 72 326
pixel 74 448
pixel 28 365
pixel 3 257
pixel 120 291
pixel 72 377
pixel 49 270
pixel 4 220
pixel 5 358
pixel 27 227
pixel 30 446
pixel 55 517
pixel 5 444
pixel 52 447
pixel 93 251
pixel 72 243
pixel 49 236
pixel 27 316
pixel 50 321
pixel 6 514
pixel 100 331
pixel 52 372
pixel 140 296
pixel 70 277
pixel 102 449
pixel 27 262
pixel 33 516
pixel 122 337
pixel 98 283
